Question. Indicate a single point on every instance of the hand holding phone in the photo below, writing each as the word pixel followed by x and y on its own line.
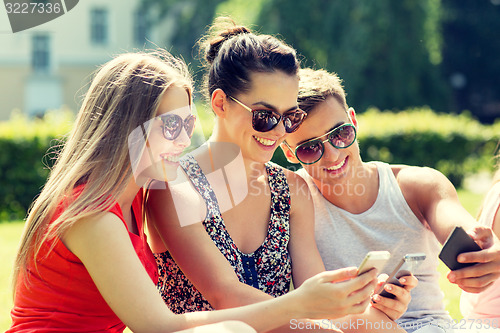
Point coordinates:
pixel 408 264
pixel 458 242
pixel 374 259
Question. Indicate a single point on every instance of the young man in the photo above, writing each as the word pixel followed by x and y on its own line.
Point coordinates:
pixel 361 207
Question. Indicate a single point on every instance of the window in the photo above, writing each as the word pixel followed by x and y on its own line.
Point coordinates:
pixel 40 53
pixel 99 26
pixel 142 26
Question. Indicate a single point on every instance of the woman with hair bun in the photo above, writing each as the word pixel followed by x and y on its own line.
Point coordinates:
pixel 256 232
pixel 84 264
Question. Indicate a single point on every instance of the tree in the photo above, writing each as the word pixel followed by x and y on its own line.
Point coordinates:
pixel 384 50
pixel 470 55
pixel 187 22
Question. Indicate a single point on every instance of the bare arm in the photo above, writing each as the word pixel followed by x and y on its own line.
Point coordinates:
pixel 104 246
pixel 306 260
pixel 213 276
pixel 434 200
pixel 196 254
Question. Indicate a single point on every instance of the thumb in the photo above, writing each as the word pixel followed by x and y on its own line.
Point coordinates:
pixel 339 275
pixel 381 279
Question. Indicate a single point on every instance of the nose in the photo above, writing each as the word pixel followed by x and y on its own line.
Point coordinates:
pixel 331 152
pixel 183 140
pixel 280 129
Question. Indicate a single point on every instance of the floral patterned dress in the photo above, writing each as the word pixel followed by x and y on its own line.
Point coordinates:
pixel 268 268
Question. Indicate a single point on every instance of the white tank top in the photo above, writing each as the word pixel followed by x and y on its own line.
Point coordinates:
pixel 487 303
pixel 344 238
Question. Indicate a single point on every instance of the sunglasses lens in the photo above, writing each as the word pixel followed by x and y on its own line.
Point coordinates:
pixel 264 120
pixel 293 120
pixel 309 152
pixel 189 125
pixel 172 125
pixel 343 137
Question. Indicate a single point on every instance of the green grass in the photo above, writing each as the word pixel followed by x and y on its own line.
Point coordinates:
pixel 10 233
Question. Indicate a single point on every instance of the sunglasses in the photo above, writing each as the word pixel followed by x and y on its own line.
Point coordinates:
pixel 312 150
pixel 173 124
pixel 265 120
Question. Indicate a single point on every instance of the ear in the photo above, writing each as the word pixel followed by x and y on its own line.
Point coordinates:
pixel 218 101
pixel 290 156
pixel 352 115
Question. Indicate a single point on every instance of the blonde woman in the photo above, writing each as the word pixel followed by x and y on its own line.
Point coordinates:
pixel 484 307
pixel 84 264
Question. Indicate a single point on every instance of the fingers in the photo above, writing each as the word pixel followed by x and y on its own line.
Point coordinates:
pixel 476 284
pixel 394 308
pixel 409 282
pixel 338 275
pixel 484 236
pixel 363 289
pixel 477 277
pixel 491 254
pixel 381 279
pixel 475 290
pixel 391 313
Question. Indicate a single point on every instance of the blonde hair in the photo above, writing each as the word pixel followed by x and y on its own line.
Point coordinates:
pixel 124 94
pixel 316 85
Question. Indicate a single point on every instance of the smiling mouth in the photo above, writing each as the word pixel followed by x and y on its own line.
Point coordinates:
pixel 265 142
pixel 171 158
pixel 338 166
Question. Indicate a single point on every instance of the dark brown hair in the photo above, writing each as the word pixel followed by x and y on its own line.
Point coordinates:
pixel 232 52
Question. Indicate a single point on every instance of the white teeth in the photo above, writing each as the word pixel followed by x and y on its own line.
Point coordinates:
pixel 336 167
pixel 171 158
pixel 265 142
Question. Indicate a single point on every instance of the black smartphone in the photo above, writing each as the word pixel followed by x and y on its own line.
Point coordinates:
pixel 458 242
pixel 408 264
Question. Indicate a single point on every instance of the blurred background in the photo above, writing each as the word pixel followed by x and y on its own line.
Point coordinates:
pixel 391 54
pixel 423 75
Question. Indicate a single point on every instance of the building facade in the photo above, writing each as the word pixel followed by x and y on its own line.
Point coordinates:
pixel 50 66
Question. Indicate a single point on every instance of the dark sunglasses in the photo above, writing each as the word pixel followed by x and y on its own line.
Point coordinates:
pixel 173 124
pixel 265 120
pixel 312 150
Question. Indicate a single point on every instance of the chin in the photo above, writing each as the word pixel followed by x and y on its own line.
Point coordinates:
pixel 162 173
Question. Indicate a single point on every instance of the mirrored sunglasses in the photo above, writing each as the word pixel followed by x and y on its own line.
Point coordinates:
pixel 312 151
pixel 265 120
pixel 173 124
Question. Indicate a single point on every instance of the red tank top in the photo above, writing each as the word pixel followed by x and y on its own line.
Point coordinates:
pixel 62 296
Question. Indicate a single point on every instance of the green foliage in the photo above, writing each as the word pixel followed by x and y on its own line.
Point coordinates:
pixel 23 145
pixel 456 145
pixel 470 55
pixel 386 51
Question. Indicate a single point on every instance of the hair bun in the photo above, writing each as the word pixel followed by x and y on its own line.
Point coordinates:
pixel 215 43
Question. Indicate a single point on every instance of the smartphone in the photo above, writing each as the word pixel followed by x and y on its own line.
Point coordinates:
pixel 458 242
pixel 406 266
pixel 374 259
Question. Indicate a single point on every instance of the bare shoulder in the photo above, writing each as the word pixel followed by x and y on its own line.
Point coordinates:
pixel 177 204
pixel 419 178
pixel 423 188
pixel 94 229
